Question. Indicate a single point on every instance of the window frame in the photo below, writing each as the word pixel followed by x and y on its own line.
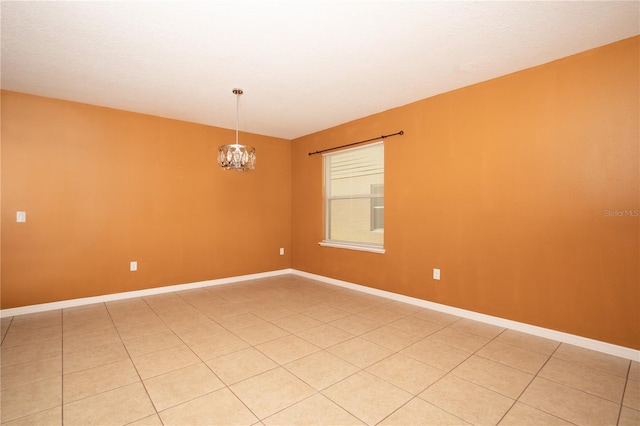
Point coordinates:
pixel 352 245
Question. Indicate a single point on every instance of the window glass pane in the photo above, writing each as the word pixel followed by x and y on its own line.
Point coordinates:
pixel 350 220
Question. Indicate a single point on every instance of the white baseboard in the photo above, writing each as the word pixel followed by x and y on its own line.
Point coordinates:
pixel 137 293
pixel 560 336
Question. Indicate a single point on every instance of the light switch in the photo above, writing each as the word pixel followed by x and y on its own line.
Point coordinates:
pixel 133 266
pixel 436 274
pixel 281 251
pixel 21 216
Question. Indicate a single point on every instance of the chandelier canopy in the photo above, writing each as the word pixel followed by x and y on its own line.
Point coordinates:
pixel 236 156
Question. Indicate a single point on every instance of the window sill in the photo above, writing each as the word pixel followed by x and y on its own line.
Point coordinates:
pixel 351 246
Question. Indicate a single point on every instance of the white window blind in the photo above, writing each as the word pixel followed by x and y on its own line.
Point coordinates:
pixel 354 197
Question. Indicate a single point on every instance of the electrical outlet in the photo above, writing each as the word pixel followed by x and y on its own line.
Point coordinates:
pixel 436 274
pixel 133 266
pixel 21 216
pixel 281 251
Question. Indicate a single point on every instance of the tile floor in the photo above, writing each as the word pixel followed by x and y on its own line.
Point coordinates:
pixel 288 350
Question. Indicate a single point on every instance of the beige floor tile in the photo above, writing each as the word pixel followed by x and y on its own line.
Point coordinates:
pixel 32 371
pixel 416 326
pixel 163 299
pixel 241 365
pixel 152 343
pixel 195 333
pixel 127 313
pixel 435 354
pixel 19 354
pixel 182 318
pixel 37 320
pixel 513 356
pixel 634 371
pixel 260 333
pixel 225 308
pixel 406 373
pixel 176 387
pixel 153 420
pixel 287 349
pixel 163 361
pixel 404 308
pixel 360 352
pixel 592 359
pixel 50 417
pixel 315 410
pixel 367 397
pixel 391 338
pixel 435 316
pixel 92 381
pixel 477 328
pixel 629 417
pixel 84 312
pixel 326 313
pixel 321 369
pixel 382 315
pixel 325 335
pixel 30 399
pixel 218 345
pixel 272 391
pixel 470 402
pixel 119 406
pixel 93 357
pixel 78 342
pixel 134 330
pixel 581 377
pixel 195 294
pixel 418 412
pixel 528 342
pixel 523 415
pixel 175 309
pixel 296 323
pixel 355 305
pixel 632 395
pixel 238 321
pixel 569 404
pixel 356 324
pixel 86 325
pixel 497 377
pixel 272 313
pixel 458 339
pixel 131 303
pixel 15 337
pixel 221 407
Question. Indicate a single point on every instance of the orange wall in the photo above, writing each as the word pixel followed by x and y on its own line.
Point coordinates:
pixel 503 186
pixel 103 187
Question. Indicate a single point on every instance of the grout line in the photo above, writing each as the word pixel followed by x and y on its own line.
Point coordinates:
pixel 134 365
pixel 624 391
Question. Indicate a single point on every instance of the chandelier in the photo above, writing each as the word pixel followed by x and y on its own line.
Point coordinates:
pixel 236 156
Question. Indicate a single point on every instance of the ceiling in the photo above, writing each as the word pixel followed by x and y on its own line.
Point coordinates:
pixel 304 65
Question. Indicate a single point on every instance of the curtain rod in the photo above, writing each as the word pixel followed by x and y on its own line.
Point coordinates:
pixel 357 143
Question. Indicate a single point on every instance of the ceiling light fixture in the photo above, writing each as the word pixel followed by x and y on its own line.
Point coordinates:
pixel 236 156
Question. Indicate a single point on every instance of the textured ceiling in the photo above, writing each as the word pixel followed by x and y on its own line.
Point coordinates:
pixel 304 65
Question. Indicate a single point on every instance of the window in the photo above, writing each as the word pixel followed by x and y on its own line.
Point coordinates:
pixel 377 207
pixel 354 198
